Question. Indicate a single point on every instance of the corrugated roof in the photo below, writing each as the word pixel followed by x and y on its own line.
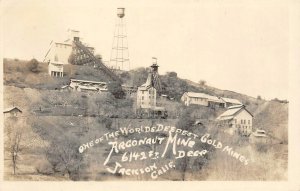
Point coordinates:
pixel 231 112
pixel 230 100
pixel 225 118
pixel 215 99
pixel 205 96
pixel 199 95
pixel 236 106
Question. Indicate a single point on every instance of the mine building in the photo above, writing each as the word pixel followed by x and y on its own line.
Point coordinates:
pixel 61 51
pixel 88 86
pixel 192 98
pixel 238 119
pixel 56 69
pixel 147 95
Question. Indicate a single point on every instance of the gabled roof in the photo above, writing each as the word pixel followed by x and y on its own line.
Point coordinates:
pixel 204 96
pixel 230 100
pixel 236 106
pixel 215 99
pixel 197 95
pixel 10 109
pixel 231 112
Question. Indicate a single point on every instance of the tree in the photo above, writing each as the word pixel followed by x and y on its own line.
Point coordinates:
pixel 116 90
pixel 13 147
pixel 185 123
pixel 172 74
pixel 71 58
pixel 33 66
pixel 139 76
pixel 259 97
pixel 202 83
pixel 64 156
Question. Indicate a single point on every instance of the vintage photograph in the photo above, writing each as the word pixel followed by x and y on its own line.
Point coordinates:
pixel 145 91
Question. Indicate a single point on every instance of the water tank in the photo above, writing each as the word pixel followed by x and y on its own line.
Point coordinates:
pixel 121 12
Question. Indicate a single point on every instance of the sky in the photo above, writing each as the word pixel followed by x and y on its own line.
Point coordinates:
pixel 241 46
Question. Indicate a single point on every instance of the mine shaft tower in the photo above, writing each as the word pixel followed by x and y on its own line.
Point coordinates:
pixel 155 82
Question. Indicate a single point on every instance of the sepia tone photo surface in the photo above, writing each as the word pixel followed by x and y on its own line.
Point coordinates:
pixel 145 91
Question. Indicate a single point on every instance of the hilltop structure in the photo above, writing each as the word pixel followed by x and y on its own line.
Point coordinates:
pixel 61 51
pixel 73 51
pixel 238 119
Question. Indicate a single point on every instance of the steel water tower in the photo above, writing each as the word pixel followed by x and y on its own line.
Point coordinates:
pixel 119 58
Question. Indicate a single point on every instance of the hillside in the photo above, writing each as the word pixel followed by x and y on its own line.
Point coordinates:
pixel 66 119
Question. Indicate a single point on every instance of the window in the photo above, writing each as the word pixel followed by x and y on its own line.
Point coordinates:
pixel 249 121
pixel 241 121
pixel 142 97
pixel 142 92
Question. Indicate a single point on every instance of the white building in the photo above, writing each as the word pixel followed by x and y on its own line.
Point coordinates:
pixel 88 86
pixel 56 69
pixel 61 51
pixel 192 98
pixel 238 118
pixel 146 95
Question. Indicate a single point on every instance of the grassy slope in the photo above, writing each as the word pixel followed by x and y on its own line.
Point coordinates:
pixel 23 88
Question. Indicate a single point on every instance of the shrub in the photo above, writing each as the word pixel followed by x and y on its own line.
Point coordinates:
pixel 202 83
pixel 33 66
pixel 116 90
pixel 107 122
